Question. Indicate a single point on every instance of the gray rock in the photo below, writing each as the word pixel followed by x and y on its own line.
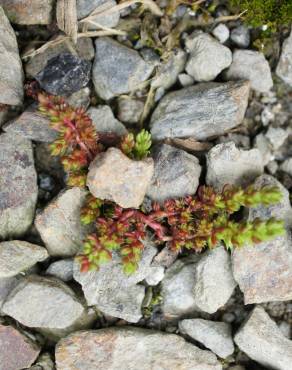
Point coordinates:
pixel 251 65
pixel 28 12
pixel 113 292
pixel 17 350
pixel 207 57
pixel 32 125
pixel 240 140
pixel 228 165
pixel 167 72
pixel 11 74
pixel 18 186
pixel 130 110
pixel 262 340
pixel 176 174
pixel 201 111
pixel 286 166
pixel 284 67
pixel 156 275
pixel 62 269
pixel 6 286
pixel 80 98
pixel 185 80
pixel 113 176
pixel 131 348
pixel 85 7
pixel 17 256
pixel 262 143
pixel 258 278
pixel 64 74
pixel 216 336
pixel 117 69
pixel 276 136
pixel 240 36
pixel 221 32
pixel 84 49
pixel 104 120
pixel 59 223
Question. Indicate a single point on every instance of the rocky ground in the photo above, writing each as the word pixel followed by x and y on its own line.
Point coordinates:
pixel 219 111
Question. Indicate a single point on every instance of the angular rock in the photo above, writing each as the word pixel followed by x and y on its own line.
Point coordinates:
pixel 17 350
pixel 18 185
pixel 113 292
pixel 28 12
pixel 17 256
pixel 113 176
pixel 59 223
pixel 251 65
pixel 6 286
pixel 276 136
pixel 44 303
pixel 85 7
pixel 117 69
pixel 228 165
pixel 104 120
pixel 201 111
pixel 262 340
pixel 286 166
pixel 284 67
pixel 221 32
pixel 262 143
pixel 129 110
pixel 11 74
pixel 64 74
pixel 215 336
pixel 207 56
pixel 32 125
pixel 80 98
pixel 62 269
pixel 240 36
pixel 131 348
pixel 264 271
pixel 176 174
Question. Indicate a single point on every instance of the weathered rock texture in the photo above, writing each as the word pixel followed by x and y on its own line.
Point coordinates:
pixel 284 67
pixel 105 121
pixel 110 19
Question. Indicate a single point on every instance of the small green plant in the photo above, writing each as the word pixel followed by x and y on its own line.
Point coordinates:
pixel 137 147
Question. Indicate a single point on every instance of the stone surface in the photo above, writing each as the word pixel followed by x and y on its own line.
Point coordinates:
pixel 131 348
pixel 201 111
pixel 32 125
pixel 262 143
pixel 207 56
pixel 262 340
pixel 276 136
pixel 80 98
pixel 18 185
pixel 11 74
pixel 221 32
pixel 251 65
pixel 17 256
pixel 228 165
pixel 201 283
pixel 284 67
pixel 264 271
pixel 240 36
pixel 62 269
pixel 104 120
pixel 176 173
pixel 44 362
pixel 64 74
pixel 6 286
pixel 113 292
pixel 28 12
pixel 185 80
pixel 16 350
pixel 215 336
pixel 59 223
pixel 117 69
pixel 129 110
pixel 286 166
pixel 113 176
pixel 85 7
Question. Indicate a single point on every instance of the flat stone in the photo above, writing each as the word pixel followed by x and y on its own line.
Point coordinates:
pixel 85 7
pixel 284 67
pixel 113 176
pixel 176 174
pixel 28 12
pixel 17 350
pixel 221 32
pixel 105 121
pixel 11 73
pixel 228 165
pixel 202 111
pixel 18 185
pixel 117 69
pixel 207 57
pixel 59 223
pixel 216 336
pixel 17 256
pixel 262 341
pixel 130 110
pixel 264 271
pixel 32 125
pixel 62 269
pixel 131 348
pixel 251 65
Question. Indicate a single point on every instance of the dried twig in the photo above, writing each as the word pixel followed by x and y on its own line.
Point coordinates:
pixel 67 18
